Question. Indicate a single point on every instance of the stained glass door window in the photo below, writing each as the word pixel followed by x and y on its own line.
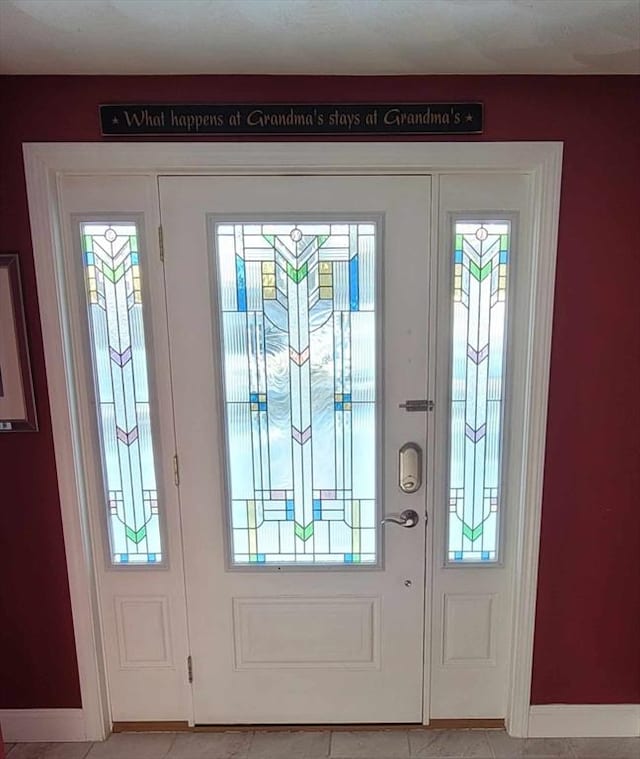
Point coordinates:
pixel 111 261
pixel 297 305
pixel 480 273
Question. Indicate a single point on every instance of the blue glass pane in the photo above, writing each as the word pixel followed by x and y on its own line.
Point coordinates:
pixel 297 309
pixel 480 265
pixel 118 353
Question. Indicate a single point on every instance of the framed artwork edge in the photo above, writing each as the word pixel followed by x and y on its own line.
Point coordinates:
pixel 28 422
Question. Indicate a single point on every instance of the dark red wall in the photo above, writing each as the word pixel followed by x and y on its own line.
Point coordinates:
pixel 588 616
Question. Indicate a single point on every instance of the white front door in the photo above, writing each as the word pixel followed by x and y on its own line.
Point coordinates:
pixel 301 608
pixel 297 312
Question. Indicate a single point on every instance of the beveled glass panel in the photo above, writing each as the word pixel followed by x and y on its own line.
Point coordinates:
pixel 480 272
pixel 298 337
pixel 111 261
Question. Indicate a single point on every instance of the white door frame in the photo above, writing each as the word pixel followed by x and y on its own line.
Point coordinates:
pixel 46 162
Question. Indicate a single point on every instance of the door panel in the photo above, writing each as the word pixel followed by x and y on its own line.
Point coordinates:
pixel 136 541
pixel 483 268
pixel 336 641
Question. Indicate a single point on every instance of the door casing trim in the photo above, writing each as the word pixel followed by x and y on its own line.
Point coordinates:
pixel 46 162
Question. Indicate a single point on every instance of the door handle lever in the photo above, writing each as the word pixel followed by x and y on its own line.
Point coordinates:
pixel 407 518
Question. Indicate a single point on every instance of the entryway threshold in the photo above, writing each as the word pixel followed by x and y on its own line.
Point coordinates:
pixel 183 726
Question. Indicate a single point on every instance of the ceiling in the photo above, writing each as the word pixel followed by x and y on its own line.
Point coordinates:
pixel 319 36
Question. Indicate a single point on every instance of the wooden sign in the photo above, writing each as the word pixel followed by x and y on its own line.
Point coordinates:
pixel 132 120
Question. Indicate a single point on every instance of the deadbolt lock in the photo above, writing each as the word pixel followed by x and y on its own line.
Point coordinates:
pixel 410 468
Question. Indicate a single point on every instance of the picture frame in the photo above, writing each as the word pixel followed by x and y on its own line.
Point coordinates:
pixel 17 400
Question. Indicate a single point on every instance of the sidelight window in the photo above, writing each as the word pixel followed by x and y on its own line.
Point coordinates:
pixel 113 280
pixel 480 274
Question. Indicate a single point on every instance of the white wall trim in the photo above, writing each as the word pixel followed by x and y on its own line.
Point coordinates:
pixel 43 205
pixel 44 162
pixel 277 158
pixel 47 725
pixel 546 201
pixel 584 721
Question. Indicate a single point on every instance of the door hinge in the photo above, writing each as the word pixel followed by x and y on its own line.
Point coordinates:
pixel 418 405
pixel 161 242
pixel 190 668
pixel 176 469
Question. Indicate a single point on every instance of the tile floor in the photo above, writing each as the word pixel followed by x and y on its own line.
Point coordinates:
pixel 385 744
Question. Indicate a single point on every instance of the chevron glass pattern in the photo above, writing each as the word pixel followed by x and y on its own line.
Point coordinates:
pixel 480 266
pixel 111 261
pixel 297 305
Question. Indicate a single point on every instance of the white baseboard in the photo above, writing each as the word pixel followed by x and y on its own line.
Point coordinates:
pixel 584 720
pixel 20 725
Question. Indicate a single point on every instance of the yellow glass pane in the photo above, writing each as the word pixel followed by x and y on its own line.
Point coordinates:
pixel 251 513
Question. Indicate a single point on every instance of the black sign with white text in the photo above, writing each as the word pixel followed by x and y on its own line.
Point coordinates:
pixel 372 119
